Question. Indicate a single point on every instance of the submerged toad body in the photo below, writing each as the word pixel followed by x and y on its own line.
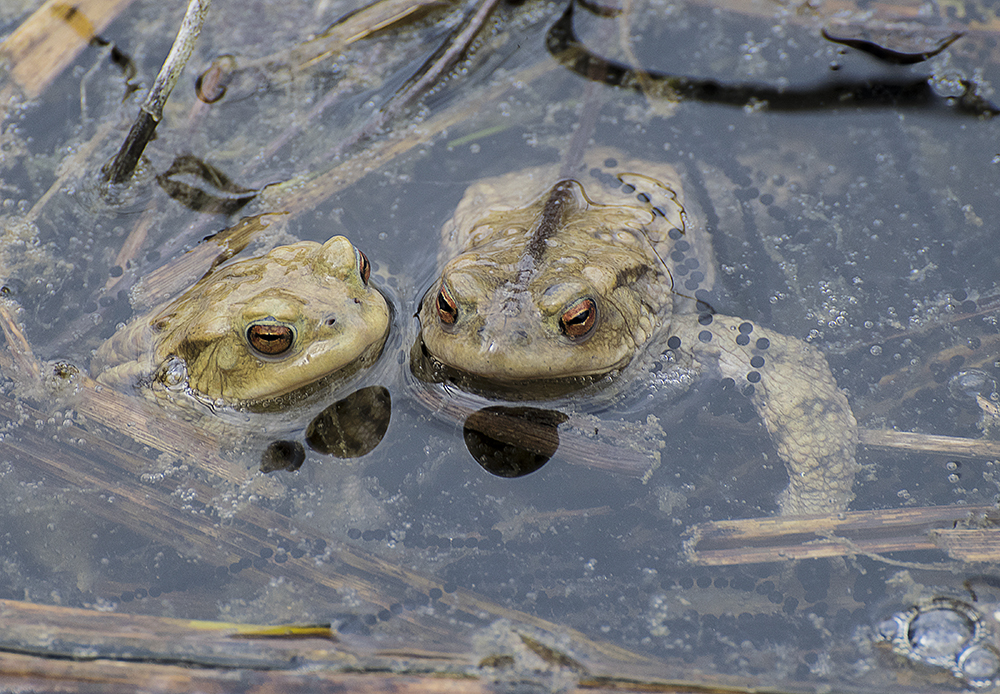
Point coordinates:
pixel 555 278
pixel 251 332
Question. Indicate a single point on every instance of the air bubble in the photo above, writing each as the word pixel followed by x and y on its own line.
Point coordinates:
pixel 980 663
pixel 970 383
pixel 940 633
pixel 888 629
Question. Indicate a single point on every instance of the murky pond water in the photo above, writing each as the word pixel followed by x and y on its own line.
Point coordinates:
pixel 860 218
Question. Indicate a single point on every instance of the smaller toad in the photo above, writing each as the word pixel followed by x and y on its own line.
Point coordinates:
pixel 254 333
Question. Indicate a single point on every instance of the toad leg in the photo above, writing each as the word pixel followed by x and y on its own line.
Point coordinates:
pixel 790 384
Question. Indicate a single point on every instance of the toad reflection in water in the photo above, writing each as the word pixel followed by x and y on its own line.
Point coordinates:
pixel 567 287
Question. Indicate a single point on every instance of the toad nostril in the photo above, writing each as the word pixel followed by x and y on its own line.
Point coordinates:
pixel 330 321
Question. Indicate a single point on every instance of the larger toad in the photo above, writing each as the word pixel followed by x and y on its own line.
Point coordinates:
pixel 255 331
pixel 600 270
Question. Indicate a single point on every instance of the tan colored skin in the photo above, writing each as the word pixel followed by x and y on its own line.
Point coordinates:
pixel 337 321
pixel 517 266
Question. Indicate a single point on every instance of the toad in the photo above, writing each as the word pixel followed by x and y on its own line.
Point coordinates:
pixel 254 333
pixel 549 278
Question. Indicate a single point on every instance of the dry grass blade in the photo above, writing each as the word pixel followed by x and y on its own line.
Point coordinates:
pixel 30 628
pixel 18 359
pixel 83 650
pixel 378 16
pixel 175 276
pixel 969 544
pixel 38 674
pixel 51 38
pixel 771 539
pixel 929 443
pixel 302 194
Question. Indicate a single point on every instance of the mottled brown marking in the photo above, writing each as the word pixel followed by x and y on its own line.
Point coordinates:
pixel 629 275
pixel 551 219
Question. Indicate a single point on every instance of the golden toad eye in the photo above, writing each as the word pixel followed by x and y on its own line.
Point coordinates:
pixel 364 267
pixel 579 319
pixel 271 339
pixel 447 308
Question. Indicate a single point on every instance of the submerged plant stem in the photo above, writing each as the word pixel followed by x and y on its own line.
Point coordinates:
pixel 151 110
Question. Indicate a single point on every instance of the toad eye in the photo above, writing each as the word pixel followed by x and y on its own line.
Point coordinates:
pixel 364 267
pixel 447 308
pixel 270 339
pixel 579 319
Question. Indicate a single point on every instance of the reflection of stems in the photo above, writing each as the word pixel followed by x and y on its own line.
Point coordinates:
pixel 443 59
pixel 151 110
pixel 428 75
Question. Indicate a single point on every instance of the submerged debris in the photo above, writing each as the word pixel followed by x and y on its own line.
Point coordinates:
pixel 890 45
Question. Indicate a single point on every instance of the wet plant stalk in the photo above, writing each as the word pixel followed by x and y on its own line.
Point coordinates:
pixel 151 110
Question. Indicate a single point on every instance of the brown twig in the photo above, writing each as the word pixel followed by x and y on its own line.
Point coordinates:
pixel 151 111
